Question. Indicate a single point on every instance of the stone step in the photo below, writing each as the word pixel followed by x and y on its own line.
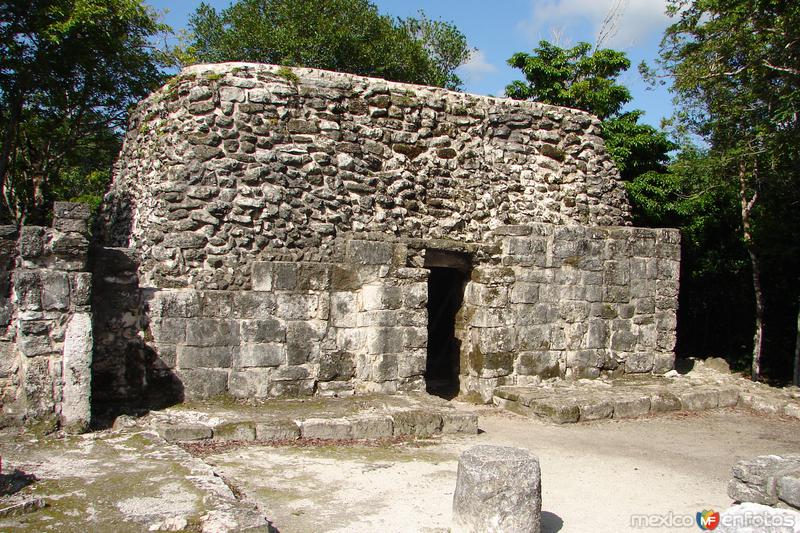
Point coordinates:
pixel 571 404
pixel 418 422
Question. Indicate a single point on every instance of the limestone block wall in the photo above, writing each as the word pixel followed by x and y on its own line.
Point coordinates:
pixel 305 328
pixel 571 302
pixel 48 343
pixel 234 163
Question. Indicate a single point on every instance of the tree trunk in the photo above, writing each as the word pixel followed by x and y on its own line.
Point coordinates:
pixel 747 235
pixel 796 379
pixel 9 141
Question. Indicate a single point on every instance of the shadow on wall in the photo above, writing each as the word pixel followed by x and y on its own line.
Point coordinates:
pixel 128 376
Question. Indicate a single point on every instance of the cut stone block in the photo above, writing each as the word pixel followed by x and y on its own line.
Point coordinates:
pixel 326 428
pixel 277 430
pixel 459 422
pixel 185 432
pixel 417 422
pixel 235 431
pixel 497 489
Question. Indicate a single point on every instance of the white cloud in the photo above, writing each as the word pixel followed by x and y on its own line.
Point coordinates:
pixel 477 68
pixel 639 21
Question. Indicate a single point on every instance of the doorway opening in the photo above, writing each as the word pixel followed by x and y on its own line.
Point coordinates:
pixel 449 273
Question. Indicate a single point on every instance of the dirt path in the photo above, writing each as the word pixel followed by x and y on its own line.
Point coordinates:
pixel 595 476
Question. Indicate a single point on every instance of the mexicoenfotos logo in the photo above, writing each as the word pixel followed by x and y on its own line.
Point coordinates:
pixel 707 520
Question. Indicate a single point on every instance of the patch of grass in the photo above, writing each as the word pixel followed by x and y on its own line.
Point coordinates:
pixel 288 74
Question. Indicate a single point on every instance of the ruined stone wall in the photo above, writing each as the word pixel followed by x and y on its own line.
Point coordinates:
pixel 571 302
pixel 234 163
pixel 9 360
pixel 47 345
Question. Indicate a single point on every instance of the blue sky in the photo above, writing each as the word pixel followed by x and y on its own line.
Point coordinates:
pixel 500 28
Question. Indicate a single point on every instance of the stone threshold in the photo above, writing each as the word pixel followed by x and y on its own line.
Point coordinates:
pixel 353 418
pixel 567 403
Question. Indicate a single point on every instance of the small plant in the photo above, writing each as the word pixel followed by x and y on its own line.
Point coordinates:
pixel 289 75
pixel 213 76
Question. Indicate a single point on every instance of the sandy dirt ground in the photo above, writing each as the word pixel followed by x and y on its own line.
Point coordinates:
pixel 595 476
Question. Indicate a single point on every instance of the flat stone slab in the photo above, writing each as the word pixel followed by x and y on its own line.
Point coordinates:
pixel 129 481
pixel 565 402
pixel 349 418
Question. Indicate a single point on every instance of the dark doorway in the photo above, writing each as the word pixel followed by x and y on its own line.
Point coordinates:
pixel 448 278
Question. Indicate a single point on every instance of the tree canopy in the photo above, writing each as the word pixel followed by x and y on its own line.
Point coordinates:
pixel 587 79
pixel 734 67
pixel 69 70
pixel 342 35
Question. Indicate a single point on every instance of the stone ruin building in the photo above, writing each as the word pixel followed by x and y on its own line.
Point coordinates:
pixel 277 232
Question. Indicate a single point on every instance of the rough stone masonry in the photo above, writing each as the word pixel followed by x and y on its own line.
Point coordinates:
pixel 281 232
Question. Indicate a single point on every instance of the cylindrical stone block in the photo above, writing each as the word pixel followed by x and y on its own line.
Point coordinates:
pixel 498 490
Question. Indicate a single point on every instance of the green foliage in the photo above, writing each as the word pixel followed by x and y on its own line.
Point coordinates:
pixel 636 148
pixel 342 35
pixel 584 79
pixel 735 71
pixel 572 77
pixel 288 74
pixel 69 72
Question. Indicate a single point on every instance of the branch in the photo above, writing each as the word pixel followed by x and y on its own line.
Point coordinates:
pixel 788 70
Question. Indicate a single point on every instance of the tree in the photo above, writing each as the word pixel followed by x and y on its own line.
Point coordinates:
pixel 735 66
pixel 69 71
pixel 342 35
pixel 586 79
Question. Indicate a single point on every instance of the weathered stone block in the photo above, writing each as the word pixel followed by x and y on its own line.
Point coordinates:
pixel 326 428
pixel 235 431
pixel 205 356
pixel 544 364
pixel 175 303
pixel 457 422
pixel 303 340
pixel 485 295
pixel 639 362
pixel 380 297
pixel 297 306
pixel 169 330
pixel 558 410
pixel 260 355
pixel 185 432
pixel 80 284
pixel 277 430
pixel 336 366
pixel 497 489
pixel 631 407
pixel 382 340
pixel 249 383
pixel 201 383
pixel 372 426
pixel 664 401
pixel 261 277
pixel 212 332
pixel 522 292
pixel 27 290
pixel 699 400
pixel 493 340
pixel 313 277
pixel 595 409
pixel 417 422
pixel 789 488
pixel 76 412
pixel 369 252
pixel 264 330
